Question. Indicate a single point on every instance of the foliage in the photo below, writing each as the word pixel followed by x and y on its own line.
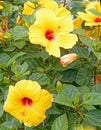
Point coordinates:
pixel 76 88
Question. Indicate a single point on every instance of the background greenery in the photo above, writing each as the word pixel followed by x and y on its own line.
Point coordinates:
pixel 76 92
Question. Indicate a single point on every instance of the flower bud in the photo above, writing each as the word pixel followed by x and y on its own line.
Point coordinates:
pixel 67 59
pixel 98 79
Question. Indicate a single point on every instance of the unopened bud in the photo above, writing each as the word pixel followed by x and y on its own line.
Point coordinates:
pixel 67 59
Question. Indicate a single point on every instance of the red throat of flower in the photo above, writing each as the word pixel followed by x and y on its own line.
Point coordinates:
pixel 26 101
pixel 98 19
pixel 49 35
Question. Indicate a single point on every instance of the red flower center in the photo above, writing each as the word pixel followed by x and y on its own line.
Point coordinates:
pixel 98 19
pixel 26 101
pixel 49 35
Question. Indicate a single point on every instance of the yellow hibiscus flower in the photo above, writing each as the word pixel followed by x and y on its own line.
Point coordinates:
pixel 90 18
pixel 30 7
pixel 94 31
pixel 52 32
pixel 27 102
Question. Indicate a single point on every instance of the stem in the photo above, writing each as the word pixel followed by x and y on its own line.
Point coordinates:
pixel 79 112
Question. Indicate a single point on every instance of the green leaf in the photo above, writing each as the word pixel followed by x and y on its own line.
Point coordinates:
pixel 41 78
pixel 81 51
pixel 83 76
pixel 98 55
pixel 79 31
pixel 67 95
pixel 9 125
pixel 69 75
pixel 9 9
pixel 60 123
pixel 89 107
pixel 15 57
pixel 23 68
pixel 64 99
pixel 87 41
pixel 3 128
pixel 4 58
pixel 93 117
pixel 28 128
pixel 19 44
pixel 96 88
pixel 1 109
pixel 92 98
pixel 20 70
pixel 53 111
pixel 70 90
pixel 19 32
pixel 84 89
pixel 1 76
pixel 19 1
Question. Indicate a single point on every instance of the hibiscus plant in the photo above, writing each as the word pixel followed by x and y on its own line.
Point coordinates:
pixel 50 65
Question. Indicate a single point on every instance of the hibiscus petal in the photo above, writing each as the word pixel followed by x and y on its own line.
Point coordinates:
pixel 52 49
pixel 67 41
pixel 46 19
pixel 37 35
pixel 87 16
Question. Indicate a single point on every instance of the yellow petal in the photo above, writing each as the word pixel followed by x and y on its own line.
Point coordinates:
pixel 50 4
pixel 63 12
pixel 92 23
pixel 67 41
pixel 37 35
pixel 78 23
pixel 29 8
pixel 52 49
pixel 28 88
pixel 94 5
pixel 65 24
pixel 86 16
pixel 46 19
pixel 33 117
pixel 44 102
pixel 13 105
pixel 44 1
